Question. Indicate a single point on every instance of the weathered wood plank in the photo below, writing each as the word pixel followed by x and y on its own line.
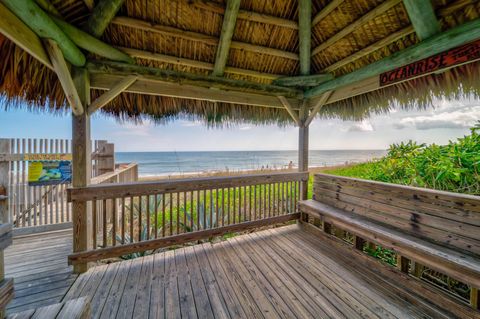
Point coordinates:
pixel 108 96
pixel 228 27
pixel 102 14
pixel 305 35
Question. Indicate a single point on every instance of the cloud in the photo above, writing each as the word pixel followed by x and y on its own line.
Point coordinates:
pixel 454 118
pixel 364 126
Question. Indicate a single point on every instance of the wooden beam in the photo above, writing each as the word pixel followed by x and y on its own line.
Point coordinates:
pixel 332 5
pixel 102 15
pixel 422 16
pixel 61 69
pixel 441 42
pixel 199 37
pixel 305 34
pixel 40 22
pixel 193 63
pixel 303 80
pixel 92 44
pixel 81 168
pixel 189 78
pixel 372 14
pixel 19 33
pixel 157 87
pixel 245 15
pixel 319 104
pixel 120 250
pixel 115 91
pixel 371 48
pixel 228 27
pixel 289 109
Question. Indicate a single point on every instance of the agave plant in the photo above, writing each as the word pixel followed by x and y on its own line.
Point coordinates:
pixel 128 239
pixel 206 219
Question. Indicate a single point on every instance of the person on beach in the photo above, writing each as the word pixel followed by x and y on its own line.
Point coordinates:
pixel 290 165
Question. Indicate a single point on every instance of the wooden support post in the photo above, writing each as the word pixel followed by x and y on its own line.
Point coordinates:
pixel 475 298
pixel 417 269
pixel 402 264
pixel 81 153
pixel 358 243
pixel 303 149
pixel 4 181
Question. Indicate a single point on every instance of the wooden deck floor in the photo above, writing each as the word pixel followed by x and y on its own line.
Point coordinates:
pixel 280 273
pixel 38 264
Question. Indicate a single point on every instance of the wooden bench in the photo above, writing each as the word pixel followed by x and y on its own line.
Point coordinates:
pixel 439 230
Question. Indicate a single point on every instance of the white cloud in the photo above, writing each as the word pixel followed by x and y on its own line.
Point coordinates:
pixel 364 126
pixel 455 117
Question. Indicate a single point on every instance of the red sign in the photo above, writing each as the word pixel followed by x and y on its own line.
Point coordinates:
pixel 465 53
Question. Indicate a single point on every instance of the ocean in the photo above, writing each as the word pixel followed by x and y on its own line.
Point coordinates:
pixel 173 163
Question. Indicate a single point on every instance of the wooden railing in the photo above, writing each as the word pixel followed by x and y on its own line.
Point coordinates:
pixel 137 217
pixel 124 173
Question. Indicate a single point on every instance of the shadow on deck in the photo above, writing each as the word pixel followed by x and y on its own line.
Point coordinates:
pixel 284 272
pixel 38 264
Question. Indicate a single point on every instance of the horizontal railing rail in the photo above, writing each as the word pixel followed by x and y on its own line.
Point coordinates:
pixel 130 218
pixel 123 173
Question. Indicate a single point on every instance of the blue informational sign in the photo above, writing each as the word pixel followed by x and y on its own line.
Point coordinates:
pixel 49 173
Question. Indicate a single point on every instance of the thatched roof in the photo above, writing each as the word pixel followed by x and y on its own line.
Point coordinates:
pixel 260 52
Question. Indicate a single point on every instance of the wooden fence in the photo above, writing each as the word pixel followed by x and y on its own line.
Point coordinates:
pixel 30 206
pixel 137 217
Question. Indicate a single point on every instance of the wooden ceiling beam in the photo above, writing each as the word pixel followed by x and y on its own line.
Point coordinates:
pixel 228 27
pixel 199 37
pixel 41 23
pixel 303 80
pixel 326 11
pixel 305 35
pixel 245 15
pixel 61 69
pixel 422 16
pixel 101 16
pixel 108 96
pixel 372 14
pixel 190 78
pixel 193 63
pixel 452 38
pixel 20 34
pixel 155 86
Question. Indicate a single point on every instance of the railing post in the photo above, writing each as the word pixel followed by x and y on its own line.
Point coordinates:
pixel 402 263
pixel 4 181
pixel 475 298
pixel 81 167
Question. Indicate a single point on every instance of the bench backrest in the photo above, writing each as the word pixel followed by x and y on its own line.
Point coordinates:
pixel 448 218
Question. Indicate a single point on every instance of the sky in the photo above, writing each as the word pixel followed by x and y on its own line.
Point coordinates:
pixel 446 121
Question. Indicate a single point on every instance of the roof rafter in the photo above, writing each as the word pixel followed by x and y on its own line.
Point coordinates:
pixel 228 27
pixel 304 80
pixel 194 63
pixel 200 37
pixel 356 24
pixel 18 32
pixel 436 44
pixel 102 15
pixel 326 11
pixel 156 86
pixel 422 16
pixel 305 35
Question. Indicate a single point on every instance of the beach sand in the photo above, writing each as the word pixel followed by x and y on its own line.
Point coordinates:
pixel 312 170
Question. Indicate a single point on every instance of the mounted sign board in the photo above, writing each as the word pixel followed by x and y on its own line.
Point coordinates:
pixel 42 173
pixel 35 157
pixel 442 61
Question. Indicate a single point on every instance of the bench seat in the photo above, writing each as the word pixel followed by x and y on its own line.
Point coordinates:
pixel 458 264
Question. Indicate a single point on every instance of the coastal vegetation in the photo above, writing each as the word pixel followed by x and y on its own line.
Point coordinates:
pixel 452 167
